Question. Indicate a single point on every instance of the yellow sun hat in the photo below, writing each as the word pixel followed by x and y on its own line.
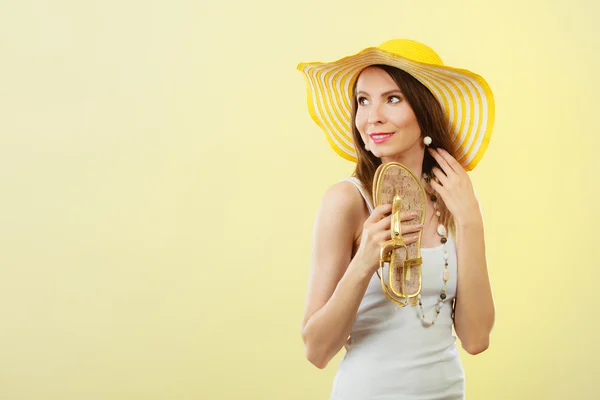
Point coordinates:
pixel 465 97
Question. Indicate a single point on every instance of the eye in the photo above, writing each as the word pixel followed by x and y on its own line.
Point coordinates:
pixel 362 101
pixel 394 99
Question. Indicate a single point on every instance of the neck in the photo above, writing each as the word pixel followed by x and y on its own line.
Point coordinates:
pixel 413 160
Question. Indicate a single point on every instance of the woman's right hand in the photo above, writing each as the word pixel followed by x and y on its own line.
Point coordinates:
pixel 376 231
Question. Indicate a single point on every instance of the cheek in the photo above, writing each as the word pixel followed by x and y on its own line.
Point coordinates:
pixel 406 119
pixel 360 121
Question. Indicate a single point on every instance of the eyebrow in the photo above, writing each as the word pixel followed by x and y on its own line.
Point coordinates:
pixel 382 94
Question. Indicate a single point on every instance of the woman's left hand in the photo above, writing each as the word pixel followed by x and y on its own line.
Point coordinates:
pixel 455 188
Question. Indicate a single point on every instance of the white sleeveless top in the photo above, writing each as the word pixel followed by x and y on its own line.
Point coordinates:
pixel 392 355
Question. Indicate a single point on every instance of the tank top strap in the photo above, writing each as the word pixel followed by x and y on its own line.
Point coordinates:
pixel 361 189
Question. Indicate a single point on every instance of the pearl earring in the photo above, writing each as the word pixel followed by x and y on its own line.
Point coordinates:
pixel 427 140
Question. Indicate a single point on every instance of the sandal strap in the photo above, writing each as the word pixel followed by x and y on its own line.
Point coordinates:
pixel 396 226
pixel 413 262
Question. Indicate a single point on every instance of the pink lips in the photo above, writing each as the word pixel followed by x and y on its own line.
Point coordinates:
pixel 378 137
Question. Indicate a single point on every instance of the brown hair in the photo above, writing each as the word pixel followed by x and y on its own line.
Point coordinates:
pixel 432 123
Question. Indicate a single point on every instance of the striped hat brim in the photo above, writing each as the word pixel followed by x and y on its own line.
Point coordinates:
pixel 465 97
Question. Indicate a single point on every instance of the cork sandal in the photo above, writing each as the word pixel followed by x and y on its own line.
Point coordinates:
pixel 395 184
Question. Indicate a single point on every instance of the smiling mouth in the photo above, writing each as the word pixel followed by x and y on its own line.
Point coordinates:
pixel 380 137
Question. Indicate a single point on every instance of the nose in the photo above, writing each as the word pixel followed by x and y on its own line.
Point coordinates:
pixel 375 115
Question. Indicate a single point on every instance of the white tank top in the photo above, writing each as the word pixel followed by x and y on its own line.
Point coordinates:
pixel 392 355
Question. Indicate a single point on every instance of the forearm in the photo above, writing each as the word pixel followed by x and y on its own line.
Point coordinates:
pixel 474 312
pixel 327 330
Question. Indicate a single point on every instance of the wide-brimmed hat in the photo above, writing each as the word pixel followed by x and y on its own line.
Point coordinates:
pixel 465 97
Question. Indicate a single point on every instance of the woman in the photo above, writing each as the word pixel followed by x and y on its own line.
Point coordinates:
pixel 397 102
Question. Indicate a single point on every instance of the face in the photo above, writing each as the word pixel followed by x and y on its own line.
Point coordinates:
pixel 384 118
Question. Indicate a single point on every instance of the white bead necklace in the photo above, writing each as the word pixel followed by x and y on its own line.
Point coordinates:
pixel 442 232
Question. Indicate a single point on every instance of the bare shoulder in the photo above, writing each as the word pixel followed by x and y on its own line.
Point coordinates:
pixel 338 222
pixel 342 208
pixel 344 194
pixel 344 197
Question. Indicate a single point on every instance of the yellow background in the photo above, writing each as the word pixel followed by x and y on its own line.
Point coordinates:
pixel 160 176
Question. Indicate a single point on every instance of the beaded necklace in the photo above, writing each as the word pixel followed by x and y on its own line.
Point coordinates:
pixel 442 232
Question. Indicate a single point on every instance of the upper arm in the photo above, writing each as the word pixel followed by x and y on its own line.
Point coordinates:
pixel 334 232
